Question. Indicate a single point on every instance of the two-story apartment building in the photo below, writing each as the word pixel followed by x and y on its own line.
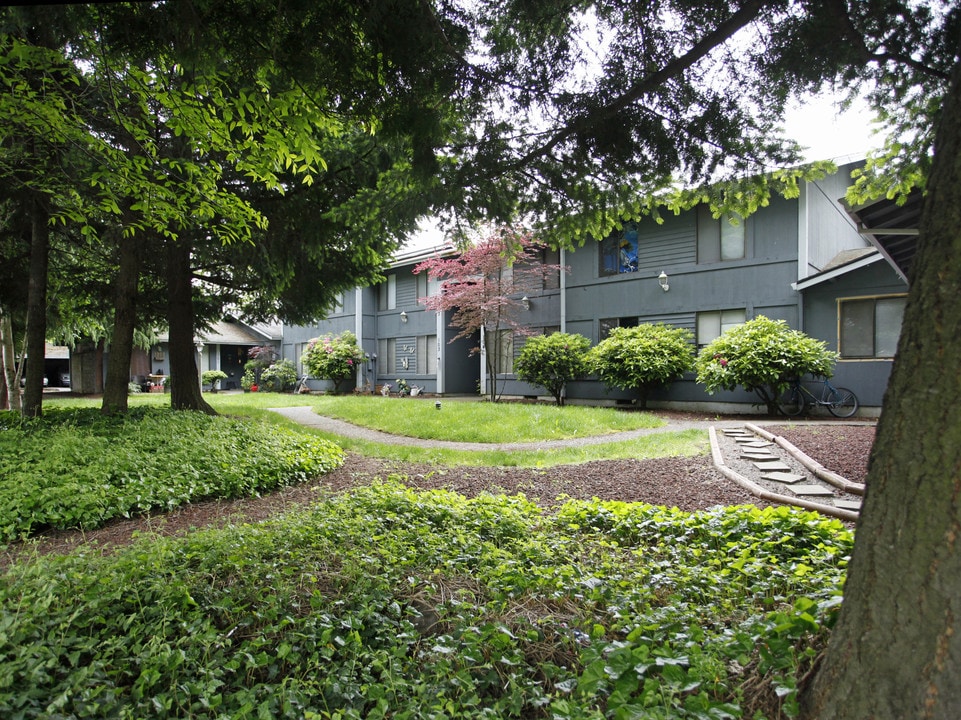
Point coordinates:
pixel 801 260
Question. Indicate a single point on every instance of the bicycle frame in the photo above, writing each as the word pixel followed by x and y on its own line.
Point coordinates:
pixel 840 402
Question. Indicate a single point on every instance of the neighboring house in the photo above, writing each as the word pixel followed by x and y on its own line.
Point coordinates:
pixel 802 260
pixel 226 347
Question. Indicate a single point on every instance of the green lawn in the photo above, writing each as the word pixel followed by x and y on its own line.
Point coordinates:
pixel 463 421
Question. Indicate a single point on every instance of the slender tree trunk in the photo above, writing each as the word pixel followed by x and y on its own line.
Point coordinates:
pixel 36 309
pixel 9 382
pixel 184 374
pixel 895 652
pixel 124 321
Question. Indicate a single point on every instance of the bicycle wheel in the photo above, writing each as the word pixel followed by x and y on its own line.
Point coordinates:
pixel 842 402
pixel 791 403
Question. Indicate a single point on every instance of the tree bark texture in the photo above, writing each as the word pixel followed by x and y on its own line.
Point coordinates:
pixel 124 321
pixel 895 652
pixel 184 374
pixel 36 308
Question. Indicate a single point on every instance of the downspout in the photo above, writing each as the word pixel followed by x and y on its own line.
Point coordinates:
pixel 563 318
pixel 563 279
pixel 359 332
pixel 441 354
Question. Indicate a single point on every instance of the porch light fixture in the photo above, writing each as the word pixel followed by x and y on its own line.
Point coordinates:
pixel 525 301
pixel 403 316
pixel 662 279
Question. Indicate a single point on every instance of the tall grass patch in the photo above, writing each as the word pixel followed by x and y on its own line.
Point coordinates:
pixel 74 468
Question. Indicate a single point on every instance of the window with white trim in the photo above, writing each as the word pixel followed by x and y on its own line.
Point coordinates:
pixel 870 327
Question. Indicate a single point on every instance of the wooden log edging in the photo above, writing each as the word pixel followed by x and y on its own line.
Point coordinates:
pixel 767 495
pixel 832 478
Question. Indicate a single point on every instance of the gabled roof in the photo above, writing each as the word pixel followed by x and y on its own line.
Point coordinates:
pixel 891 228
pixel 234 332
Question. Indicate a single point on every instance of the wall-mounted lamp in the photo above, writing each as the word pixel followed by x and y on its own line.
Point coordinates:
pixel 199 345
pixel 526 302
pixel 403 317
pixel 662 279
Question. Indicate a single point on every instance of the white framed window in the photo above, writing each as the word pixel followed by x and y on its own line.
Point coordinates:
pixel 870 327
pixel 711 325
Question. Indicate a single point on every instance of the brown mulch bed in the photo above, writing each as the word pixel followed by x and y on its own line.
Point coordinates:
pixel 690 484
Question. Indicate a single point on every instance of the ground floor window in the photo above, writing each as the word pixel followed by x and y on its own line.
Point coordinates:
pixel 608 324
pixel 711 325
pixel 427 354
pixel 503 351
pixel 870 327
pixel 386 357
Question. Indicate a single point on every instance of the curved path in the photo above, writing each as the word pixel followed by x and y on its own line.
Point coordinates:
pixel 750 477
pixel 307 417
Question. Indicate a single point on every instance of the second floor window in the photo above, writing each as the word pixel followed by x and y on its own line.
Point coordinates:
pixel 720 239
pixel 618 252
pixel 387 295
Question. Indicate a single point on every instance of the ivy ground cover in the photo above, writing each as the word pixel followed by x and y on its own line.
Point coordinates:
pixel 386 602
pixel 74 468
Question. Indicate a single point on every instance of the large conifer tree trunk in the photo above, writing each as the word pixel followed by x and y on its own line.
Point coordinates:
pixel 184 373
pixel 124 321
pixel 896 650
pixel 36 308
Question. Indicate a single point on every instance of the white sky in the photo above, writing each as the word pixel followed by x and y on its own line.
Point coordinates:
pixel 817 124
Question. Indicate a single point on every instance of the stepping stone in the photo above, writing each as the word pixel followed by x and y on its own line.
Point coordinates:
pixel 848 504
pixel 734 432
pixel 771 466
pixel 755 455
pixel 783 477
pixel 758 444
pixel 745 439
pixel 810 490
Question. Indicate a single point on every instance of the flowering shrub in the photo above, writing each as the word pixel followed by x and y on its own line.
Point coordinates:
pixel 334 357
pixel 281 376
pixel 552 361
pixel 643 357
pixel 762 356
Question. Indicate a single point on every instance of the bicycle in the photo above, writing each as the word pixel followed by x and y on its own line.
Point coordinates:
pixel 839 401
